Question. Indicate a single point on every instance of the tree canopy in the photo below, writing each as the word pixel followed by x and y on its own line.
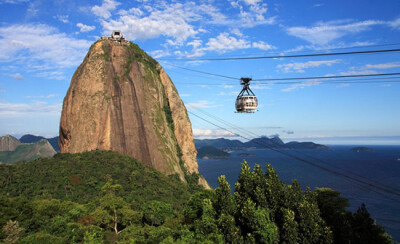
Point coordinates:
pixel 105 197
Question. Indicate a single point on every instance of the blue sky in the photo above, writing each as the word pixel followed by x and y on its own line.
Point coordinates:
pixel 43 42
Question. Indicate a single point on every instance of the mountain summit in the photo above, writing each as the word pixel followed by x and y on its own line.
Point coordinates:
pixel 121 99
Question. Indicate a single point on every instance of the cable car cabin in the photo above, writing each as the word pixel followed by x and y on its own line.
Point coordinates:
pixel 246 101
pixel 246 104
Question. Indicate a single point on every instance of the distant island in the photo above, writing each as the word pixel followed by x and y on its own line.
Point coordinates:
pixel 246 155
pixel 209 152
pixel 256 143
pixel 362 149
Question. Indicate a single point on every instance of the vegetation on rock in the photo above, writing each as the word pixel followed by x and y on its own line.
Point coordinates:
pixel 105 197
pixel 211 152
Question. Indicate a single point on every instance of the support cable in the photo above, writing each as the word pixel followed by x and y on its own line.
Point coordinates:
pixel 251 134
pixel 372 187
pixel 288 56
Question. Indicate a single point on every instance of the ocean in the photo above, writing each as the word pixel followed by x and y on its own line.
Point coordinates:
pixel 381 165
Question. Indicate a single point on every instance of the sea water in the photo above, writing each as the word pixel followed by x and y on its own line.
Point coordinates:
pixel 381 166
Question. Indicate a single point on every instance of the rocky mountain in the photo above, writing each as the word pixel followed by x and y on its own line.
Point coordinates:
pixel 8 143
pixel 259 143
pixel 24 151
pixel 121 99
pixel 219 143
pixel 28 138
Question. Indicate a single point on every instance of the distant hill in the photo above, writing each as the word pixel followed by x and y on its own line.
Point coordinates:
pixel 28 138
pixel 362 149
pixel 258 143
pixel 211 152
pixel 304 145
pixel 218 143
pixel 24 151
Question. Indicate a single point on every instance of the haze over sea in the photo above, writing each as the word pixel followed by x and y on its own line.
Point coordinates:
pixel 381 165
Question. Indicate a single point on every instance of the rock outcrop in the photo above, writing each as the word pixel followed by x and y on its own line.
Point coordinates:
pixel 8 143
pixel 26 151
pixel 121 99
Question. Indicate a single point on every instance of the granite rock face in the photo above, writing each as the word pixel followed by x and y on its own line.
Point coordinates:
pixel 8 143
pixel 121 99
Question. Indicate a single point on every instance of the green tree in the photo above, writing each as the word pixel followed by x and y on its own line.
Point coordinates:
pixel 113 212
pixel 156 212
pixel 12 230
pixel 365 230
pixel 225 202
pixel 245 185
pixel 206 228
pixel 226 208
pixel 312 228
pixel 289 231
pixel 256 222
pixel 194 207
pixel 333 211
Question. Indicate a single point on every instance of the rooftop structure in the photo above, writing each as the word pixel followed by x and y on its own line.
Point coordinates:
pixel 116 35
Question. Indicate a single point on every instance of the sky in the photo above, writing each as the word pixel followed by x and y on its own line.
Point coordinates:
pixel 42 42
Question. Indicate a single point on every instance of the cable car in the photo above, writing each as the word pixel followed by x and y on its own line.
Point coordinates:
pixel 246 101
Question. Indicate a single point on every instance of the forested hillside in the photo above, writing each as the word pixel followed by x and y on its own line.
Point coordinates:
pixel 105 197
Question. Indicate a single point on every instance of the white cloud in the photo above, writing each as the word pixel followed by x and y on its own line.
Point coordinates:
pixel 300 67
pixel 237 32
pixel 223 43
pixel 40 46
pixel 85 28
pixel 32 9
pixel 252 13
pixel 260 87
pixel 169 20
pixel 17 76
pixel 324 33
pixel 262 45
pixel 343 85
pixel 42 96
pixel 334 45
pixel 251 2
pixel 301 85
pixel 104 11
pixel 395 23
pixel 2 90
pixel 383 66
pixel 202 104
pixel 62 18
pixel 234 93
pixel 134 11
pixel 208 133
pixel 13 1
pixel 177 20
pixel 184 95
pixel 38 107
pixel 159 53
pixel 358 72
pixel 52 75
